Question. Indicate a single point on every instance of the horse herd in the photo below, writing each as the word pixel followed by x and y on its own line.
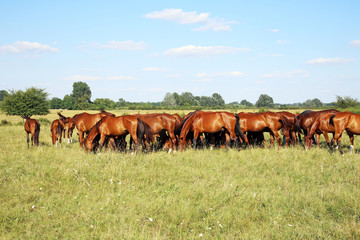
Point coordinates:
pixel 199 129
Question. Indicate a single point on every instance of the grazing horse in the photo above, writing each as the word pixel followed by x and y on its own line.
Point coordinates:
pixel 159 124
pixel 67 129
pixel 32 126
pixel 265 122
pixel 85 121
pixel 307 117
pixel 345 121
pixel 56 128
pixel 294 129
pixel 112 127
pixel 210 122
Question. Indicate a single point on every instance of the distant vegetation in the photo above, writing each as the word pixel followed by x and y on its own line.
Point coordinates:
pixel 80 99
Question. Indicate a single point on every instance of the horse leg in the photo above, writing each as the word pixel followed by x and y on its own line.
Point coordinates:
pixel 318 139
pixel 351 136
pixel 276 135
pixel 196 135
pixel 101 142
pixel 81 138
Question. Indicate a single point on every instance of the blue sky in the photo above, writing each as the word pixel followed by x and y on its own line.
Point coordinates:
pixel 140 50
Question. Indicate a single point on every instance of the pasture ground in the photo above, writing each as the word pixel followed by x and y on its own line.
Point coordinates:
pixel 63 192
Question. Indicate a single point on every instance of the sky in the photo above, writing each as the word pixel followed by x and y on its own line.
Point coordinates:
pixel 140 50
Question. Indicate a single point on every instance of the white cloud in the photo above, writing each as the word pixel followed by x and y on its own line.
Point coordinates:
pixel 27 47
pixel 192 50
pixel 122 45
pixel 274 30
pixel 330 60
pixel 291 74
pixel 181 17
pixel 97 78
pixel 205 80
pixel 355 43
pixel 221 74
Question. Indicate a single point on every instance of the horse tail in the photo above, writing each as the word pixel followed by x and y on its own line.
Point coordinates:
pixel 238 131
pixel 37 132
pixel 286 123
pixel 331 121
pixel 144 129
pixel 62 117
pixel 59 129
pixel 297 125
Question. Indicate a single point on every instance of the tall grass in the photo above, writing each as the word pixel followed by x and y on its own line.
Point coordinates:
pixel 62 192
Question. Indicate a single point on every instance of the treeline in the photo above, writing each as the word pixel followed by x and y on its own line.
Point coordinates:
pixel 80 99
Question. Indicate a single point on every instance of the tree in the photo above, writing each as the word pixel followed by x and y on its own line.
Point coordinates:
pixel 104 103
pixel 265 101
pixel 56 103
pixel 68 102
pixel 81 94
pixel 121 102
pixel 312 103
pixel 3 94
pixel 246 103
pixel 188 99
pixel 169 100
pixel 346 102
pixel 25 104
pixel 219 101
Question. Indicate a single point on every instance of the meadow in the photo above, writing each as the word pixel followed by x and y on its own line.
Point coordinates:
pixel 62 192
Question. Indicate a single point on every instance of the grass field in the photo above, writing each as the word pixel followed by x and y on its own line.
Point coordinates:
pixel 62 192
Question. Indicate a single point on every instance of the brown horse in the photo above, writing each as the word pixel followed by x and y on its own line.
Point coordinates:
pixel 85 121
pixel 32 126
pixel 294 129
pixel 67 130
pixel 210 122
pixel 159 124
pixel 110 127
pixel 56 128
pixel 345 121
pixel 307 117
pixel 265 122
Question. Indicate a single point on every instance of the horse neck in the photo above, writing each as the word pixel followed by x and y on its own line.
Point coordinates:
pixel 187 126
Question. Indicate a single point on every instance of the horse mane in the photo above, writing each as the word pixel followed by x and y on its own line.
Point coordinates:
pixel 95 126
pixel 331 121
pixel 187 121
pixel 107 113
pixel 190 115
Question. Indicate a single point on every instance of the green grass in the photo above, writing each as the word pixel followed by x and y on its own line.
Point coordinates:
pixel 63 192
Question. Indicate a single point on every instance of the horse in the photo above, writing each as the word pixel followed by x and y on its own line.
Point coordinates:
pixel 294 129
pixel 85 121
pixel 344 121
pixel 210 122
pixel 265 122
pixel 110 127
pixel 159 124
pixel 68 130
pixel 32 126
pixel 56 129
pixel 307 117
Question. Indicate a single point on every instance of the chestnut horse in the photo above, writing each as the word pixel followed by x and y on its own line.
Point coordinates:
pixel 159 124
pixel 112 127
pixel 345 121
pixel 67 130
pixel 307 117
pixel 265 122
pixel 56 128
pixel 32 126
pixel 85 121
pixel 210 122
pixel 294 129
